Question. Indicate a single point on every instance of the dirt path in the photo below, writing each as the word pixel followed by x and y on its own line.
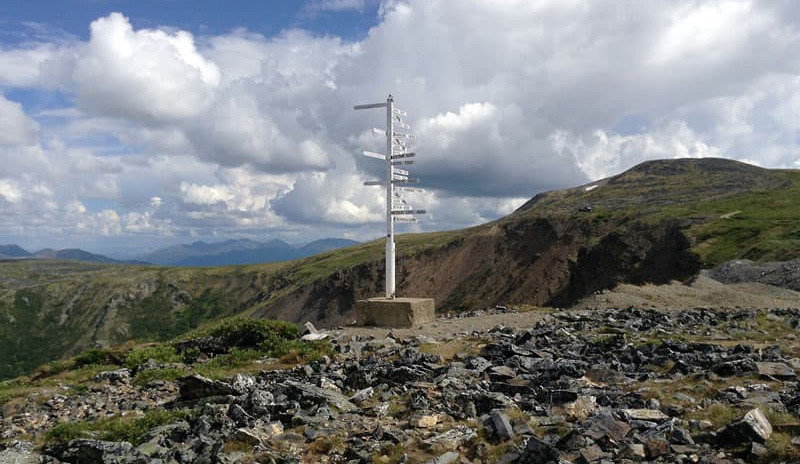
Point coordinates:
pixel 444 329
pixel 702 292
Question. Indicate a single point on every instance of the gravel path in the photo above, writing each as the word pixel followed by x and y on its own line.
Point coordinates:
pixel 703 292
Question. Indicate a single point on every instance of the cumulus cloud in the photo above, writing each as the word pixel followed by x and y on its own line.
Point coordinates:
pixel 245 132
pixel 149 74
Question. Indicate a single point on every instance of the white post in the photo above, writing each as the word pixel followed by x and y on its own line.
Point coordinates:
pixel 403 210
pixel 389 198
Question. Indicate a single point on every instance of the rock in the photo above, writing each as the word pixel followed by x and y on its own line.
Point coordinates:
pixel 735 367
pixel 243 384
pixel 502 425
pixel 633 451
pixel 424 420
pixel 501 372
pixel 655 447
pixel 776 370
pixel 119 376
pixel 362 395
pixel 447 458
pixel 452 438
pixel 592 453
pixel 321 395
pixel 85 450
pixel 758 450
pixel 580 409
pixel 538 452
pixel 604 425
pixel 653 415
pixel 152 450
pixel 308 328
pixel 680 436
pixel 193 387
pixel 754 426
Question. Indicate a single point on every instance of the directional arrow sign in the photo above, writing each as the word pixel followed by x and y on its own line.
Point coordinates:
pixel 404 155
pixel 369 106
pixel 375 182
pixel 404 219
pixel 402 172
pixel 405 181
pixel 372 154
pixel 402 163
pixel 409 211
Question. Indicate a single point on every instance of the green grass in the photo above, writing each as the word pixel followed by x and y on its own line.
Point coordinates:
pixel 118 428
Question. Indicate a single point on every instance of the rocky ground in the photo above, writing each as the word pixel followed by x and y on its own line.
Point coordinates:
pixel 635 385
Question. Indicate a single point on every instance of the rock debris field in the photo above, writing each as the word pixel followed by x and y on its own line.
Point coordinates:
pixel 692 386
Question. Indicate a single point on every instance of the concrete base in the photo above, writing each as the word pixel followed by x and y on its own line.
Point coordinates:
pixel 396 312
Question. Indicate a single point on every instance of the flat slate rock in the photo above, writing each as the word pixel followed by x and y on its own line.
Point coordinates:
pixel 653 415
pixel 776 369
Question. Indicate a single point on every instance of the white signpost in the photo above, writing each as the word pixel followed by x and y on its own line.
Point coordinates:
pixel 397 209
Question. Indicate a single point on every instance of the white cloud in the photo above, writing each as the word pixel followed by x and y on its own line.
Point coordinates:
pixel 16 128
pixel 149 74
pixel 241 132
pixel 601 154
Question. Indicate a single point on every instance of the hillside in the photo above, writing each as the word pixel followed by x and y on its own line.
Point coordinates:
pixel 659 221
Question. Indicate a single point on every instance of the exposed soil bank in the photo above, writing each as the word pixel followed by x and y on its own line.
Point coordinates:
pixel 539 261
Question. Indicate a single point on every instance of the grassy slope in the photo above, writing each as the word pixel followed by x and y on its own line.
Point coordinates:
pixel 49 308
pixel 741 212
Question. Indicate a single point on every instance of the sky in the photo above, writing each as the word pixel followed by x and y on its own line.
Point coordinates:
pixel 130 125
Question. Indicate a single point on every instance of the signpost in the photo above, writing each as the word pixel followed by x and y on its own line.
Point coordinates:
pixel 397 209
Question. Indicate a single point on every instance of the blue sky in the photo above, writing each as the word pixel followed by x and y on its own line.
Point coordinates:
pixel 24 19
pixel 127 126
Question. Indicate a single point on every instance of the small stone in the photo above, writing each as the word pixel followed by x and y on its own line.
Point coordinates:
pixel 502 425
pixel 653 415
pixel 634 451
pixel 362 395
pixel 119 376
pixel 308 328
pixel 538 452
pixel 580 409
pixel 758 450
pixel 656 447
pixel 424 420
pixel 592 453
pixel 447 458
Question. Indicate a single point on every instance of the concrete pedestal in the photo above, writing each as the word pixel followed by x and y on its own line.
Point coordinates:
pixel 396 312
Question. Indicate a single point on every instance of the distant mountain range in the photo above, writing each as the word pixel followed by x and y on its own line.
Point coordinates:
pixel 227 253
pixel 71 254
pixel 242 251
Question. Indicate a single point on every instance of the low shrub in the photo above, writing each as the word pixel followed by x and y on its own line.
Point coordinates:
pixel 161 353
pixel 244 332
pixel 96 356
pixel 145 377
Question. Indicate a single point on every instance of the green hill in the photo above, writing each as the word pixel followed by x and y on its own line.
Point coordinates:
pixel 658 221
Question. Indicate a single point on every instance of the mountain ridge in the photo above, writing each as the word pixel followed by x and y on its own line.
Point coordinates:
pixel 240 251
pixel 655 223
